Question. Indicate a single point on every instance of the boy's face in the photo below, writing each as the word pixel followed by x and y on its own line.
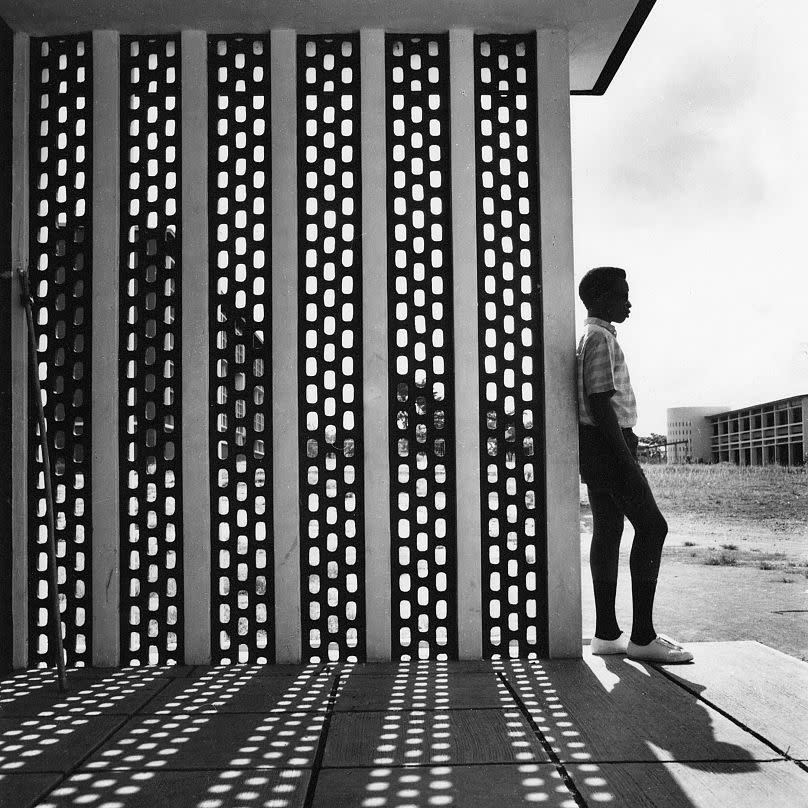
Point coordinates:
pixel 614 305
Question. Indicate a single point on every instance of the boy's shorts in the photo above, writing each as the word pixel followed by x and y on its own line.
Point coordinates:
pixel 599 466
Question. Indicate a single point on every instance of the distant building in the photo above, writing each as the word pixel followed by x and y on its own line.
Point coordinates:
pixel 761 435
pixel 690 434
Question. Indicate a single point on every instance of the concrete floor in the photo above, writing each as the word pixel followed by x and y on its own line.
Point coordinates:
pixel 729 730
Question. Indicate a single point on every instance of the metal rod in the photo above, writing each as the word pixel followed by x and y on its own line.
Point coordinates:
pixel 27 301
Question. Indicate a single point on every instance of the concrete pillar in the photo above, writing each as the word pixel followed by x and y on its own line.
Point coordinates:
pixel 106 258
pixel 195 349
pixel 560 420
pixel 285 401
pixel 466 335
pixel 20 384
pixel 374 349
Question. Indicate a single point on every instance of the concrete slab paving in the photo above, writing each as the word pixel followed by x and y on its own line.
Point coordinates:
pixel 26 684
pixel 23 790
pixel 241 690
pixel 412 667
pixel 264 670
pixel 217 741
pixel 234 788
pixel 462 786
pixel 116 693
pixel 764 689
pixel 167 671
pixel 441 737
pixel 406 691
pixel 627 735
pixel 52 743
pixel 778 784
pixel 612 709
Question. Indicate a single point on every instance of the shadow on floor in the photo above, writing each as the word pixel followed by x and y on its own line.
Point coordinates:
pixel 561 733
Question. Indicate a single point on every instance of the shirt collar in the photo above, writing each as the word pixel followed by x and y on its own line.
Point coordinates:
pixel 602 323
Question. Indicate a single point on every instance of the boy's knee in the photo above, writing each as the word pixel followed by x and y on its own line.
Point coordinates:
pixel 660 529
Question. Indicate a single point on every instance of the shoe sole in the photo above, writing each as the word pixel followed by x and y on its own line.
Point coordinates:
pixel 660 661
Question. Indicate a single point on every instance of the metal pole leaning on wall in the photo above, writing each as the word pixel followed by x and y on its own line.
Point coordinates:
pixel 56 622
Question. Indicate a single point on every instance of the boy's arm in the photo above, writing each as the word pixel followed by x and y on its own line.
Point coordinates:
pixel 606 420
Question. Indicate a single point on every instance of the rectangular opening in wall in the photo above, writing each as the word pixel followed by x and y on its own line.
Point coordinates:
pixel 150 329
pixel 421 348
pixel 330 423
pixel 242 553
pixel 60 268
pixel 514 561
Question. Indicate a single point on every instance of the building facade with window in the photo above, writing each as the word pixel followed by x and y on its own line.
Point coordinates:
pixel 766 434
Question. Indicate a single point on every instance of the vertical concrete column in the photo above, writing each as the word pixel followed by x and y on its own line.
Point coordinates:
pixel 195 348
pixel 20 384
pixel 466 335
pixel 285 402
pixel 560 419
pixel 106 257
pixel 374 350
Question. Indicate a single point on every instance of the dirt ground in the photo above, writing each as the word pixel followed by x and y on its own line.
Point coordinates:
pixel 735 564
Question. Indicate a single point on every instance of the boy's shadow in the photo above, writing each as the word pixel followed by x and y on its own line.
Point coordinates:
pixel 687 732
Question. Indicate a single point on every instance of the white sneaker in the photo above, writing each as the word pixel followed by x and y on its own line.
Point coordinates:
pixel 602 647
pixel 662 650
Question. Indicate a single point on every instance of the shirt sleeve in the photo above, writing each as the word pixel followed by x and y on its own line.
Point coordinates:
pixel 598 365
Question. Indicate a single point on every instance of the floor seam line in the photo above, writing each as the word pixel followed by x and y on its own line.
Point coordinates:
pixel 79 763
pixel 317 763
pixel 209 711
pixel 560 767
pixel 725 713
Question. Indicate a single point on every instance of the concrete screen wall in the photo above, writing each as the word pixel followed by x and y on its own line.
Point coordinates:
pixel 303 280
pixel 290 478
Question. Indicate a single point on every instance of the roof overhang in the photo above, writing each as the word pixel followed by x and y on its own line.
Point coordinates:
pixel 601 31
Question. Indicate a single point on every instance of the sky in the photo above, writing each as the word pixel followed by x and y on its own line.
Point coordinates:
pixel 691 172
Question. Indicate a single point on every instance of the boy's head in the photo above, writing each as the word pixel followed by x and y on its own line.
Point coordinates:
pixel 604 292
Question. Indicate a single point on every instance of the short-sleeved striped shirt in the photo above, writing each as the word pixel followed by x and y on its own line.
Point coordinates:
pixel 601 368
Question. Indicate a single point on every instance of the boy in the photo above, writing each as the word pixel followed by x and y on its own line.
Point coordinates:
pixel 615 482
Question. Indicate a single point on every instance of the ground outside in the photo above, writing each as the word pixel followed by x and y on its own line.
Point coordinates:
pixel 730 729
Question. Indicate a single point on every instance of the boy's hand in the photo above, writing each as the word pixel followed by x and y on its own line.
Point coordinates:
pixel 606 420
pixel 632 478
